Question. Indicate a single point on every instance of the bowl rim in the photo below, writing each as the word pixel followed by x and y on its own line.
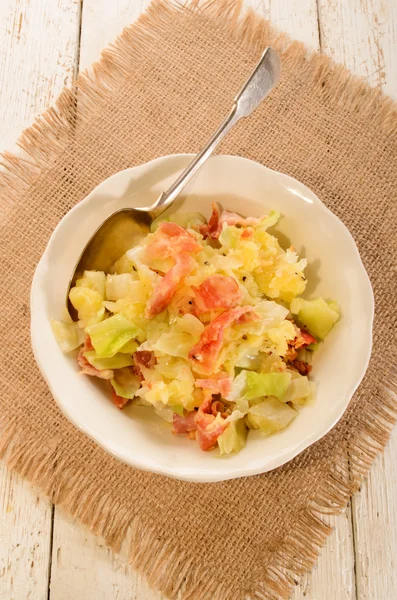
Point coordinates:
pixel 194 474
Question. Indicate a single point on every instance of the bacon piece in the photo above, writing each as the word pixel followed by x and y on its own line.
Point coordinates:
pixel 167 286
pixel 207 438
pixel 308 338
pixel 170 240
pixel 213 228
pixel 88 369
pixel 208 348
pixel 302 367
pixel 231 218
pixel 87 344
pixel 119 401
pixel 217 407
pixel 207 430
pixel 247 233
pixel 303 338
pixel 172 229
pixel 291 354
pixel 216 292
pixel 146 358
pixel 218 384
pixel 143 358
pixel 184 424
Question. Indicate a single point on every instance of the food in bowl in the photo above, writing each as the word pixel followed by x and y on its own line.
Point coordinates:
pixel 203 323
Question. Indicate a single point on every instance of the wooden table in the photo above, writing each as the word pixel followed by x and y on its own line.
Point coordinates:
pixel 43 553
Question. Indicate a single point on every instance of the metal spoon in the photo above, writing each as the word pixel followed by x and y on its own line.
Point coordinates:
pixel 126 227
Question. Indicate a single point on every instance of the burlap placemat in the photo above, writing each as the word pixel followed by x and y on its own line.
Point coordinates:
pixel 161 89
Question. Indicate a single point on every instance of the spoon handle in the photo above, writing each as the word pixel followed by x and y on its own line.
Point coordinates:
pixel 259 84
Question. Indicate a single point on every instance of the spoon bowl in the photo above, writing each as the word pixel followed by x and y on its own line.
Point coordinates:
pixel 120 232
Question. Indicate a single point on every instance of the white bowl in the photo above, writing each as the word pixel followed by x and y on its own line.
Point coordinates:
pixel 335 270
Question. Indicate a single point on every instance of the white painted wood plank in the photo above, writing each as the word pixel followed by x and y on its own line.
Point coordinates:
pixel 84 568
pixel 25 539
pixel 37 57
pixel 375 529
pixel 102 22
pixel 363 35
pixel 333 576
pixel 38 43
pixel 298 18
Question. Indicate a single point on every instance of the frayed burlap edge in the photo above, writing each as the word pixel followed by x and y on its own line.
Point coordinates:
pixel 41 145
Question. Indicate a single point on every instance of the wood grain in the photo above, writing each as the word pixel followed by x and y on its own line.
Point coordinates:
pixel 38 44
pixel 25 539
pixel 84 568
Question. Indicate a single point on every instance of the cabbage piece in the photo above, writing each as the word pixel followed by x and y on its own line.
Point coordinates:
pixel 94 280
pixel 272 363
pixel 175 343
pixel 266 384
pixel 109 336
pixel 119 286
pixel 230 237
pixel 173 368
pixel 239 386
pixel 180 337
pixel 124 265
pixel 299 388
pixel 125 383
pixel 164 412
pixel 118 361
pixel 318 315
pixel 268 221
pixel 190 324
pixel 127 308
pixel 167 412
pixel 240 350
pixel 68 335
pixel 271 315
pixel 249 385
pixel 148 277
pixel 270 416
pixel 234 437
pixel 300 392
pixel 129 348
pixel 189 220
pixel 88 303
pixel 250 361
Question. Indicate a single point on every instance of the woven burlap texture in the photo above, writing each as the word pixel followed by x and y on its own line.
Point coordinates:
pixel 162 88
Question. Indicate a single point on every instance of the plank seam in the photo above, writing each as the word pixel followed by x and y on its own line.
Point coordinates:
pixel 50 552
